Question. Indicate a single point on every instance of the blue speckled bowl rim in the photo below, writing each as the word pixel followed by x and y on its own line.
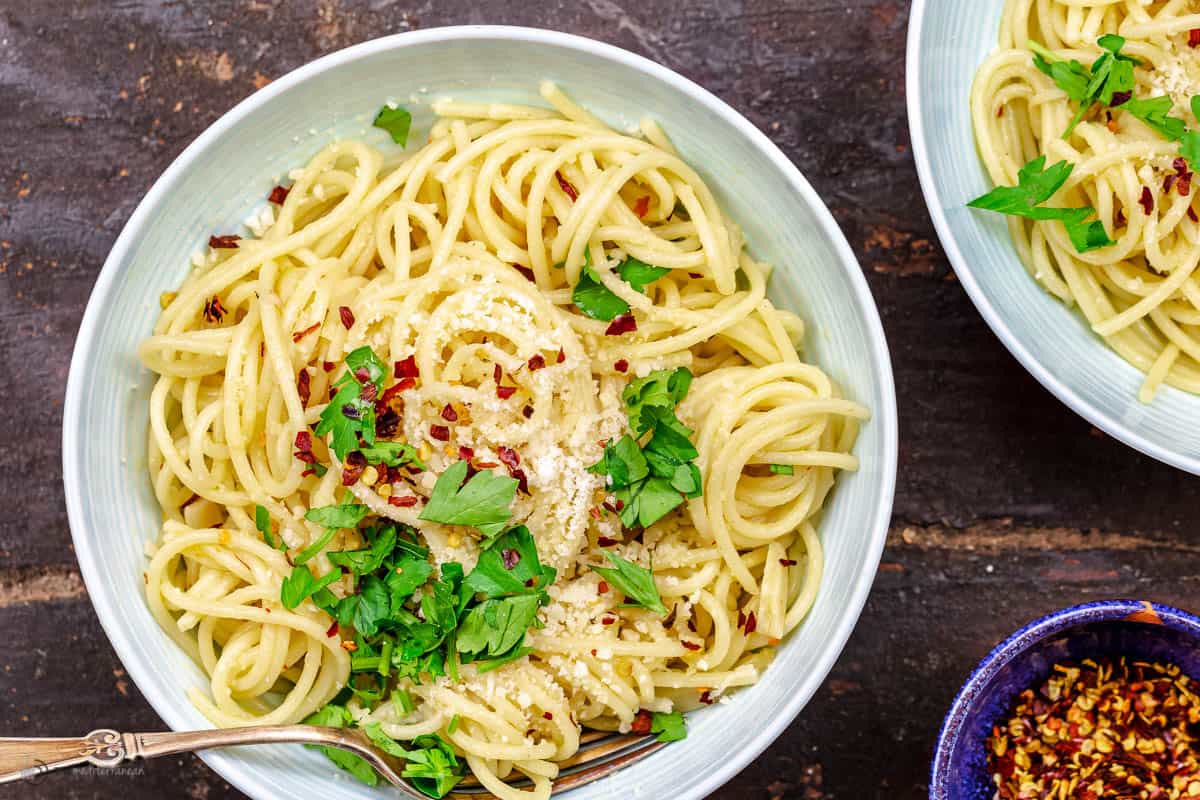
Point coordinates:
pixel 972 690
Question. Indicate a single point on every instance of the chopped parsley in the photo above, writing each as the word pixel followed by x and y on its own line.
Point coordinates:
pixel 262 521
pixel 482 502
pixel 396 121
pixel 595 299
pixel 349 414
pixel 392 454
pixel 634 581
pixel 1154 112
pixel 301 584
pixel 1189 143
pixel 1036 185
pixel 651 472
pixel 669 727
pixel 1109 81
pixel 345 515
pixel 782 469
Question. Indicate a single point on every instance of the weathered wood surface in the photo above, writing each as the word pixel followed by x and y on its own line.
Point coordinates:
pixel 1008 505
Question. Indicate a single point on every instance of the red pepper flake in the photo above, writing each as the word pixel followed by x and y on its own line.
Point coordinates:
pixel 298 335
pixel 751 623
pixel 508 456
pixel 788 562
pixel 505 392
pixel 227 242
pixel 527 411
pixel 607 620
pixel 1147 201
pixel 449 414
pixel 706 697
pixel 1120 221
pixel 304 447
pixel 566 187
pixel 406 368
pixel 302 386
pixel 328 366
pixel 370 392
pixel 278 195
pixel 466 453
pixel 695 275
pixel 1192 214
pixel 510 558
pixel 347 316
pixel 497 373
pixel 1119 99
pixel 522 480
pixel 609 506
pixel 1194 38
pixel 527 272
pixel 1000 111
pixel 333 630
pixel 402 386
pixel 690 645
pixel 351 474
pixel 595 512
pixel 536 362
pixel 407 501
pixel 213 310
pixel 624 323
pixel 621 366
pixel 562 356
pixel 547 715
pixel 602 587
pixel 641 723
pixel 604 541
pixel 440 432
pixel 487 465
pixel 641 205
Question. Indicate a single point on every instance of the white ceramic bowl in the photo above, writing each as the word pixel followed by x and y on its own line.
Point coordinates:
pixel 947 41
pixel 228 171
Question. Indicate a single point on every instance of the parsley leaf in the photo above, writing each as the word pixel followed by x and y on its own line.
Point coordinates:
pixel 669 727
pixel 262 521
pixel 493 628
pixel 1036 184
pixel 432 766
pixel 1189 145
pixel 406 577
pixel 374 605
pixel 482 502
pixel 346 515
pixel 396 121
pixel 595 299
pixel 1111 75
pixel 301 584
pixel 335 716
pixel 622 462
pixel 369 559
pixel 782 469
pixel 493 577
pixel 661 389
pixel 1153 111
pixel 392 454
pixel 634 581
pixel 348 416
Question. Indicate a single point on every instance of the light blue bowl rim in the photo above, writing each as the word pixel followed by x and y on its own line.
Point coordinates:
pixel 884 415
pixel 966 276
pixel 972 690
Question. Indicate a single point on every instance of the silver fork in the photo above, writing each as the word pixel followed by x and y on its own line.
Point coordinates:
pixel 600 754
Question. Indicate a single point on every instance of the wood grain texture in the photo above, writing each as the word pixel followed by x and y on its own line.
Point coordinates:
pixel 1008 505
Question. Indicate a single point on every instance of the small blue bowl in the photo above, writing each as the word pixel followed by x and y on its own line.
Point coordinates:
pixel 1105 628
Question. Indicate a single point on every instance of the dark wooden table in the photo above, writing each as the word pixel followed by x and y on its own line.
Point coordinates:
pixel 1008 505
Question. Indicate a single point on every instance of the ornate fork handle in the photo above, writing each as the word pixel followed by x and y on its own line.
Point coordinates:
pixel 27 758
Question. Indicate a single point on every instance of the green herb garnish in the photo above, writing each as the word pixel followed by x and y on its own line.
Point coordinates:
pixel 348 415
pixel 1189 143
pixel 595 299
pixel 301 584
pixel 782 469
pixel 262 521
pixel 1036 184
pixel 396 121
pixel 634 581
pixel 482 502
pixel 1154 112
pixel 1111 75
pixel 669 727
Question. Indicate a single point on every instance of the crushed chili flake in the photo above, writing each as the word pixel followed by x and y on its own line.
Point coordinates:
pixel 402 385
pixel 562 356
pixel 621 366
pixel 1101 728
pixel 508 456
pixel 547 715
pixel 333 630
pixel 440 432
pixel 278 195
pixel 407 501
pixel 1147 201
pixel 1000 111
pixel 595 512
pixel 406 368
pixel 1120 220
pixel 536 362
pixel 226 242
pixel 505 392
pixel 487 464
pixel 602 587
pixel 466 453
pixel 695 275
pixel 788 562
pixel 1120 99
pixel 607 620
pixel 351 474
pixel 522 480
pixel 642 722
pixel 690 645
pixel 706 697
pixel 328 366
pixel 347 316
pixel 213 310
pixel 527 412
pixel 751 623
pixel 497 373
pixel 527 272
pixel 604 541
pixel 510 558
pixel 566 186
pixel 622 324
pixel 298 335
pixel 302 386
pixel 1194 38
pixel 641 205
pixel 449 414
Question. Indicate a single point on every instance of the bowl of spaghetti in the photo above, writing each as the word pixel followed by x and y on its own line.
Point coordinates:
pixel 490 390
pixel 1056 144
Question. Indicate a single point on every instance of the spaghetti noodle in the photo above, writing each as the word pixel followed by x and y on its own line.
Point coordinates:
pixel 460 266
